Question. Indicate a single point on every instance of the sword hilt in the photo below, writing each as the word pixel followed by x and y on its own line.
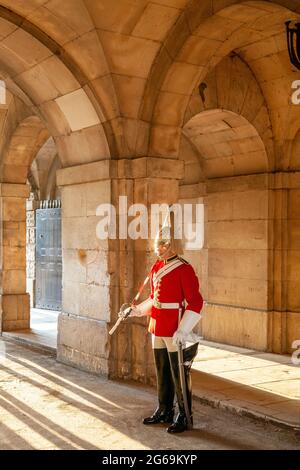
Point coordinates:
pixel 120 319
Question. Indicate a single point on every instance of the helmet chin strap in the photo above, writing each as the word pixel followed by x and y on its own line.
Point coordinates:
pixel 166 253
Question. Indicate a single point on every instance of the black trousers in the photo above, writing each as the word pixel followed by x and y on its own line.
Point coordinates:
pixel 168 377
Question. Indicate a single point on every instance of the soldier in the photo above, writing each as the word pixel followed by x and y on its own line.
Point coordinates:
pixel 173 282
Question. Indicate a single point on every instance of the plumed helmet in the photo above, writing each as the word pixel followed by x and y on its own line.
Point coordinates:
pixel 166 234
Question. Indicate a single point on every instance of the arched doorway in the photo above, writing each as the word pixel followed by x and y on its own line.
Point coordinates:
pixel 44 237
pixel 43 248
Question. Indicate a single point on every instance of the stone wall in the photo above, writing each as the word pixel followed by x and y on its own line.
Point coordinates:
pixel 237 239
pixel 100 275
pixel 116 89
pixel 286 319
pixel 248 268
pixel 14 299
pixel 82 327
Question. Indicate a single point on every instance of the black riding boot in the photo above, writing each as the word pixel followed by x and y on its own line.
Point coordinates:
pixel 165 388
pixel 180 423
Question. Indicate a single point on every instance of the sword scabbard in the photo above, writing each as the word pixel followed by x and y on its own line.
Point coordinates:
pixel 183 387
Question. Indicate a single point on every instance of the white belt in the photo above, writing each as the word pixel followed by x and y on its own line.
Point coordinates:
pixel 166 305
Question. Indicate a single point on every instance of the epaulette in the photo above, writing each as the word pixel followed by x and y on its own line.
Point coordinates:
pixel 183 260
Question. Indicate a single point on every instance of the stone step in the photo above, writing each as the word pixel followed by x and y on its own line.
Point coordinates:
pixel 26 340
pixel 260 385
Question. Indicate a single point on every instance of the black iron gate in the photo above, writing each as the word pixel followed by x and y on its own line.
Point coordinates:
pixel 48 259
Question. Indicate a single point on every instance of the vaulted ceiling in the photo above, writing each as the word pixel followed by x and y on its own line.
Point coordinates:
pixel 121 80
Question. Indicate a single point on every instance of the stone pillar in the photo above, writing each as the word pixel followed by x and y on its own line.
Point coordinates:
pixel 100 275
pixel 157 184
pixel 14 299
pixel 87 266
pixel 285 325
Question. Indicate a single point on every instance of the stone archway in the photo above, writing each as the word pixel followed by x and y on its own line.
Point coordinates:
pixel 131 96
pixel 202 45
pixel 252 39
pixel 53 97
pixel 228 144
pixel 43 170
pixel 235 263
pixel 228 134
pixel 43 275
pixel 20 147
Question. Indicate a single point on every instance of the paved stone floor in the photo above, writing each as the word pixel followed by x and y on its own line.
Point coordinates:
pixel 47 405
pixel 42 331
pixel 262 384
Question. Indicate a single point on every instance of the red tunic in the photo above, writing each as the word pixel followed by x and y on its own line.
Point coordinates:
pixel 179 285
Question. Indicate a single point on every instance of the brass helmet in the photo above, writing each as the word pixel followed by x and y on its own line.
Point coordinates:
pixel 166 234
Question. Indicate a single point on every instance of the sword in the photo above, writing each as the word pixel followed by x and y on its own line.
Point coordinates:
pixel 123 315
pixel 182 379
pixel 183 387
pixel 121 318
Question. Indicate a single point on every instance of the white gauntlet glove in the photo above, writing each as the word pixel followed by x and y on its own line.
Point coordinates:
pixel 135 312
pixel 141 310
pixel 179 337
pixel 186 325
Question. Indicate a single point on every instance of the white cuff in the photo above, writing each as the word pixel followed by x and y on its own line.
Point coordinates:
pixel 145 307
pixel 188 321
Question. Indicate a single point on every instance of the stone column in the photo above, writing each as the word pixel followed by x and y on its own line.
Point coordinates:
pixel 87 268
pixel 100 275
pixel 14 299
pixel 158 183
pixel 285 325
